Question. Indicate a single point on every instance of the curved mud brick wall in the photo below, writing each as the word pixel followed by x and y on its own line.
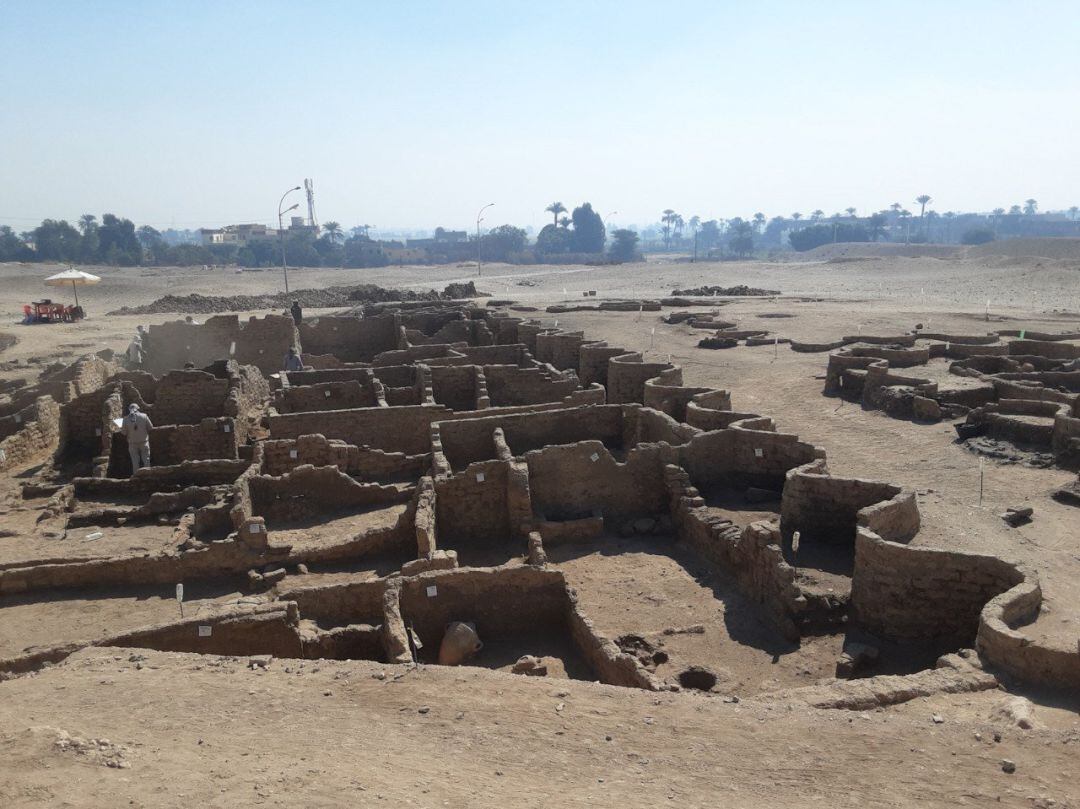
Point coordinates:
pixel 562 349
pixel 711 410
pixel 594 358
pixel 667 394
pixel 1044 348
pixel 37 437
pixel 527 332
pixel 993 338
pixel 742 456
pixel 827 509
pixel 627 375
pixel 907 593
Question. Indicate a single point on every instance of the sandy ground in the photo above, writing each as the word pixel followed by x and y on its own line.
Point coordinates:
pixel 211 732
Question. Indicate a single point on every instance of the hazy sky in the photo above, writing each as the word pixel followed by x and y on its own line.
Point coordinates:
pixel 414 114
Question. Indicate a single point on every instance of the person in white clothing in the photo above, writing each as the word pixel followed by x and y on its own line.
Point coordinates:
pixel 137 426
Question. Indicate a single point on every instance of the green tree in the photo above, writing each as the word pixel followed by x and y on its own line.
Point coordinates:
pixel 589 234
pixel 1031 207
pixel 564 221
pixel 118 243
pixel 816 215
pixel 334 232
pixel 710 235
pixel 977 236
pixel 552 240
pixel 741 237
pixel 623 245
pixel 667 219
pixel 850 212
pixel 876 225
pixel 923 200
pixel 499 243
pixel 12 248
pixel 57 241
pixel 555 209
pixel 1073 210
pixel 759 221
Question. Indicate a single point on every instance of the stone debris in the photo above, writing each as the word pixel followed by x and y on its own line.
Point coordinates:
pixel 740 290
pixel 1018 516
pixel 530 666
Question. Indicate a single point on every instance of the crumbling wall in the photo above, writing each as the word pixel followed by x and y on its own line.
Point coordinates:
pixel 395 429
pixel 37 436
pixel 350 339
pixel 575 480
pixel 363 463
pixel 325 396
pixel 627 375
pixel 188 397
pixel 261 342
pixel 473 506
pixel 562 349
pixel 309 492
pixel 455 386
pixel 738 456
pixel 510 385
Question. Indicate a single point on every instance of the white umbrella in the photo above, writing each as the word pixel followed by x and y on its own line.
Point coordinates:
pixel 77 278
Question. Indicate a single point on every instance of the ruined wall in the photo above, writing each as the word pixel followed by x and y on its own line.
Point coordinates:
pixel 455 386
pixel 364 464
pixel 573 481
pixel 350 339
pixel 562 349
pixel 473 506
pixel 744 457
pixel 188 397
pixel 627 375
pixel 261 342
pixel 395 429
pixel 824 508
pixel 502 602
pixel 325 396
pixel 510 385
pixel 913 593
pixel 37 436
pixel 309 492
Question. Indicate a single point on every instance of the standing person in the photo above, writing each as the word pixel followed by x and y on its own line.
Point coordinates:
pixel 137 426
pixel 297 312
pixel 292 360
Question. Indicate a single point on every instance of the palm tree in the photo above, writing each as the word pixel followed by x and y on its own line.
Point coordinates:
pixel 361 231
pixel 1015 210
pixel 668 219
pixel 565 222
pixel 905 217
pixel 555 209
pixel 923 200
pixel 816 214
pixel 1073 211
pixel 87 222
pixel 759 221
pixel 896 208
pixel 949 216
pixel 850 212
pixel 998 213
pixel 931 218
pixel 1031 207
pixel 678 225
pixel 796 217
pixel 333 231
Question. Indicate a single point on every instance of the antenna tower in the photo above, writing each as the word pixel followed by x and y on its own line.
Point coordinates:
pixel 309 189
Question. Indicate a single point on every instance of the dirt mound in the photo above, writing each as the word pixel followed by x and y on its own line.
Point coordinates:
pixel 741 290
pixel 856 250
pixel 7 340
pixel 1061 248
pixel 195 304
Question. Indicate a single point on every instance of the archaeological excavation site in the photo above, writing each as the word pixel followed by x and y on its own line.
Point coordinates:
pixel 454 485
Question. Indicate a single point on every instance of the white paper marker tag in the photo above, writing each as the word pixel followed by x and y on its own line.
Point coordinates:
pixel 255 528
pixel 205 631
pixel 479 477
pixel 758 453
pixel 232 348
pixel 595 457
pixel 292 453
pixel 326 393
pixel 180 593
pixel 432 591
pixel 18 418
pixel 228 428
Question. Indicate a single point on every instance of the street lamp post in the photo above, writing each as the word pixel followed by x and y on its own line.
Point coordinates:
pixel 606 218
pixel 479 219
pixel 281 233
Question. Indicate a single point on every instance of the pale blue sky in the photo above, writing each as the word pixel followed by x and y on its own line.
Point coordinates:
pixel 414 114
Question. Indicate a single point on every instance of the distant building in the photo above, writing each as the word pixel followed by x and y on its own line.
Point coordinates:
pixel 242 235
pixel 442 237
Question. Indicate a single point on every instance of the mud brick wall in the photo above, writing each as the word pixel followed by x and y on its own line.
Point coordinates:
pixel 395 429
pixel 609 664
pixel 824 508
pixel 468 509
pixel 643 425
pixel 1066 434
pixel 338 604
pixel 455 331
pixel 593 362
pixel 710 410
pixel 505 329
pixel 454 386
pixel 174 444
pixel 429 322
pixel 729 457
pixel 413 354
pixel 82 376
pixel 264 342
pixel 468 440
pixel 912 593
pixel 165 478
pixel 368 465
pixel 270 631
pixel 314 377
pixel 510 385
pixel 501 602
pixel 314 492
pixel 325 396
pixel 145 383
pixel 566 483
pixel 1044 348
pixel 188 397
pixel 259 342
pixel 667 394
pixel 38 436
pixel 350 339
pixel 562 349
pixel 527 332
pixel 627 375
pixel 513 354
